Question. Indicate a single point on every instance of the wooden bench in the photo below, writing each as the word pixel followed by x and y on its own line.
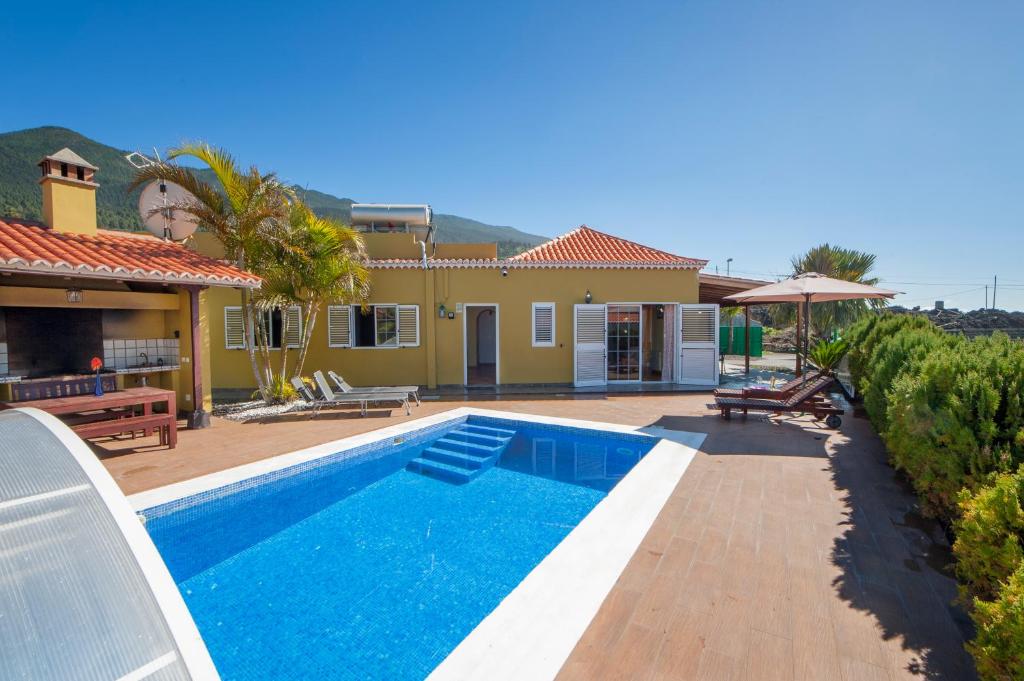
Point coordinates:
pixel 163 422
pixel 94 416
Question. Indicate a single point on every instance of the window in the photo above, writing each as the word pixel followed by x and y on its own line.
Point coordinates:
pixel 543 325
pixel 385 325
pixel 379 326
pixel 80 173
pixel 276 325
pixel 63 169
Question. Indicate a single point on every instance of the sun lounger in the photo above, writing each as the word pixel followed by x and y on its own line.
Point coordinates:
pixel 343 386
pixel 780 393
pixel 804 400
pixel 331 399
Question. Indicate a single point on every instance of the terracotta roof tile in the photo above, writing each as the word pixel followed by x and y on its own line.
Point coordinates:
pixel 586 246
pixel 117 255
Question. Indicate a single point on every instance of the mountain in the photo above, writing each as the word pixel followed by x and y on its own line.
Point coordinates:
pixel 20 196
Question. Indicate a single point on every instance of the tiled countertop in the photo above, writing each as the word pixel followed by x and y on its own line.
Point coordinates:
pixel 148 369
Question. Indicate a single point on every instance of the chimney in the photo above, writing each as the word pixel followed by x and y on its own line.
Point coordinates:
pixel 69 192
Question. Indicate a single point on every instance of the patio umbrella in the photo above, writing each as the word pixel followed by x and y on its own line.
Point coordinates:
pixel 808 288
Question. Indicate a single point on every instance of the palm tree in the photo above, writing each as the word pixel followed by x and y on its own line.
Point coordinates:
pixel 317 261
pixel 839 263
pixel 245 214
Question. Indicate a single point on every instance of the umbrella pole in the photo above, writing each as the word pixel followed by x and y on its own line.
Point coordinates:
pixel 807 331
pixel 799 341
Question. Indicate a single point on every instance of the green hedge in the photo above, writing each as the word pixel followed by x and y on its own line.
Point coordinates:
pixel 990 565
pixel 951 412
pixel 954 416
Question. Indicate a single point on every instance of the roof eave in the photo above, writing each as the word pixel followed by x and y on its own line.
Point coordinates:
pixel 20 266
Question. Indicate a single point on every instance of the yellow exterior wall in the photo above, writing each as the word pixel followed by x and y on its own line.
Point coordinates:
pixel 439 358
pixel 466 251
pixel 69 206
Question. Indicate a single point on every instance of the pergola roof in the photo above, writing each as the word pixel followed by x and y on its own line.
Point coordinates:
pixel 714 287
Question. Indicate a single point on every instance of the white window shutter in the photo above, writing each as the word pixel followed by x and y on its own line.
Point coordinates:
pixel 234 328
pixel 591 336
pixel 409 325
pixel 339 326
pixel 543 325
pixel 292 321
pixel 699 324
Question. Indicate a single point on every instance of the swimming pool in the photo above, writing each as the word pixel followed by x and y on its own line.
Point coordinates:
pixel 364 564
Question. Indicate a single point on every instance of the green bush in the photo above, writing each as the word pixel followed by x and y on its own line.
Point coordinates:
pixel 892 355
pixel 998 646
pixel 826 354
pixel 988 535
pixel 866 334
pixel 954 416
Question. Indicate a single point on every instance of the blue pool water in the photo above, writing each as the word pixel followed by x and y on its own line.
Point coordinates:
pixel 360 568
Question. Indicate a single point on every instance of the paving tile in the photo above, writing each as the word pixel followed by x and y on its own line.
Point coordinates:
pixel 779 534
pixel 769 658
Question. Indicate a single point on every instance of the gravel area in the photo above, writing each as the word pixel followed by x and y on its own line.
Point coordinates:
pixel 248 411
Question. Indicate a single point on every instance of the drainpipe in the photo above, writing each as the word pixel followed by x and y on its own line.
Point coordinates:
pixel 423 249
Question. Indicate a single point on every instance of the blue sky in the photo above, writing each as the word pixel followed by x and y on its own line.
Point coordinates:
pixel 710 129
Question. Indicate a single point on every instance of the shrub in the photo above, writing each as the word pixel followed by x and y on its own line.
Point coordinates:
pixel 865 335
pixel 892 355
pixel 954 416
pixel 827 354
pixel 998 647
pixel 988 535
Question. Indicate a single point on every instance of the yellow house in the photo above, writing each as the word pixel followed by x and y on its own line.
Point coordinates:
pixel 70 291
pixel 585 309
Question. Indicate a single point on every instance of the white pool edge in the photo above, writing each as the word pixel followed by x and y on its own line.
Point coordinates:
pixel 533 630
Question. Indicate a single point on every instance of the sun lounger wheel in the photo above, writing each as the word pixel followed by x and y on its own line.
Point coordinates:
pixel 833 421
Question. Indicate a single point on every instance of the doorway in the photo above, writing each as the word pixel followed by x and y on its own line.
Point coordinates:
pixel 624 343
pixel 657 364
pixel 480 344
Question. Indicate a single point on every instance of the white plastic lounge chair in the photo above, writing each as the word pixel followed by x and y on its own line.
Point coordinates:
pixel 362 399
pixel 360 396
pixel 343 386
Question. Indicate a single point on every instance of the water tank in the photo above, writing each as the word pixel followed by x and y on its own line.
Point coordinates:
pixel 391 215
pixel 84 595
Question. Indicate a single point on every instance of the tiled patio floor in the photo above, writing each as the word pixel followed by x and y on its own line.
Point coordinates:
pixel 786 552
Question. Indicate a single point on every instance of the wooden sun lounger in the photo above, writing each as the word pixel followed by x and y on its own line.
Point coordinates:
pixel 805 400
pixel 780 393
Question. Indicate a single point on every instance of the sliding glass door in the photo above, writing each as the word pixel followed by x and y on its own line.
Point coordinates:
pixel 624 342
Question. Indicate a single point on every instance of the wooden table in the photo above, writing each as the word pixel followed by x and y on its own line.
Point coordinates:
pixel 144 397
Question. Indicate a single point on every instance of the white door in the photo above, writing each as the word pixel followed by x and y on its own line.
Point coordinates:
pixel 698 344
pixel 590 334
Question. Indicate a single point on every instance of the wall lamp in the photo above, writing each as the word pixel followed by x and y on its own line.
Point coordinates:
pixel 441 311
pixel 74 295
pixel 504 271
pixel 588 297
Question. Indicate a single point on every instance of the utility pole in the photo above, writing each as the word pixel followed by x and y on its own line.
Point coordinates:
pixel 995 283
pixel 727 266
pixel 986 296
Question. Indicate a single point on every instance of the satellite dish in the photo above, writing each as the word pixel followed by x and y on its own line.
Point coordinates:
pixel 156 208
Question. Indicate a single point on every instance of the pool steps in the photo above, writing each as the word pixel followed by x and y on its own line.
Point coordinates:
pixel 463 453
